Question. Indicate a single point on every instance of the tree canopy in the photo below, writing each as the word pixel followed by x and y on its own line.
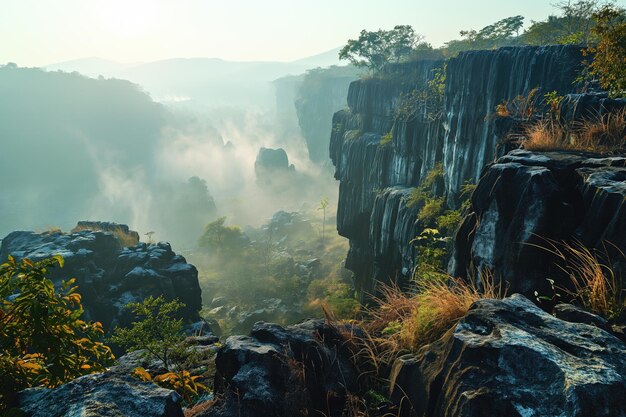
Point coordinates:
pixel 609 54
pixel 375 50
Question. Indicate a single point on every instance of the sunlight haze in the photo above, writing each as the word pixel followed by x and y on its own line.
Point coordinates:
pixel 39 33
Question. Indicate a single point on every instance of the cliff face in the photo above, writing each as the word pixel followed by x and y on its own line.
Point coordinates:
pixel 317 99
pixel 375 178
pixel 477 82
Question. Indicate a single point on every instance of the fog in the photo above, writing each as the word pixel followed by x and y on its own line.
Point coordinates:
pixel 98 148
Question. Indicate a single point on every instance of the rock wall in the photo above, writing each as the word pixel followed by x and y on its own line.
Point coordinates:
pixel 317 99
pixel 477 81
pixel 110 276
pixel 375 177
pixel 526 202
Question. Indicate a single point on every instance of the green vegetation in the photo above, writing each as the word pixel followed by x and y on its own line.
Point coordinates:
pixel 504 32
pixel 275 269
pixel 609 54
pixel 439 222
pixel 376 50
pixel 43 340
pixel 159 333
pixel 386 139
pixel 221 238
pixel 156 329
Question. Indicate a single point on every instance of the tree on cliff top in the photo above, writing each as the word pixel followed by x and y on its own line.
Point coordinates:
pixel 609 54
pixel 375 50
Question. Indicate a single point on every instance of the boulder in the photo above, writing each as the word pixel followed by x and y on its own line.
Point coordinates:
pixel 526 201
pixel 303 369
pixel 510 358
pixel 110 276
pixel 111 394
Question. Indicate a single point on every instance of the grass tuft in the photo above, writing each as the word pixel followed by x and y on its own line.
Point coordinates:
pixel 594 284
pixel 602 134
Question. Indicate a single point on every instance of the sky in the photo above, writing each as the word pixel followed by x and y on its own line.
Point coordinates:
pixel 43 32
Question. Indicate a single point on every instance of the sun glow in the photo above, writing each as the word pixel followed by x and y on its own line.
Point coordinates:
pixel 126 19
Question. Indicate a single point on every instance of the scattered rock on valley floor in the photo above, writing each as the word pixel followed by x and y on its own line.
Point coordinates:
pixel 303 369
pixel 113 393
pixel 110 276
pixel 510 358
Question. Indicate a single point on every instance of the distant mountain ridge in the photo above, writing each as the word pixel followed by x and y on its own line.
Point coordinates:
pixel 201 82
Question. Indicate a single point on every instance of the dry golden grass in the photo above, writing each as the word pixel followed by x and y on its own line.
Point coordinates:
pixel 546 135
pixel 125 239
pixel 594 284
pixel 603 134
pixel 403 322
pixel 198 408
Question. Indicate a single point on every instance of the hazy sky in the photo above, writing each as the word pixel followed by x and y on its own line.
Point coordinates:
pixel 40 32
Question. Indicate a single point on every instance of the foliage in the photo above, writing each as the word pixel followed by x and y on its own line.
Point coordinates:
pixel 220 238
pixel 553 100
pixel 43 340
pixel 156 329
pixel 323 206
pixel 609 54
pixel 182 382
pixel 337 296
pixel 375 50
pixel 501 33
pixel 425 102
pixel 521 107
pixel 574 25
pixel 386 139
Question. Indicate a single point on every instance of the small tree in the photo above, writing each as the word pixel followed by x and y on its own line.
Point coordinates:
pixel 609 61
pixel 220 238
pixel 323 205
pixel 43 340
pixel 375 50
pixel 156 330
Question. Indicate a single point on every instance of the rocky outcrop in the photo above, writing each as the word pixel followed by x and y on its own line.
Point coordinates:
pixel 122 232
pixel 295 371
pixel 112 393
pixel 510 358
pixel 373 175
pixel 477 81
pixel 525 201
pixel 110 276
pixel 461 134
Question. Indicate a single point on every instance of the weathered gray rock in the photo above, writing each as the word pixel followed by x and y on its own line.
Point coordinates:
pixel 303 369
pixel 122 232
pixel 575 314
pixel 111 394
pixel 510 358
pixel 110 276
pixel 462 135
pixel 525 200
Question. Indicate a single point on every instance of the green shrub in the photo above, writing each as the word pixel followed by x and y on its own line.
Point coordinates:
pixel 386 139
pixel 43 340
pixel 156 329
